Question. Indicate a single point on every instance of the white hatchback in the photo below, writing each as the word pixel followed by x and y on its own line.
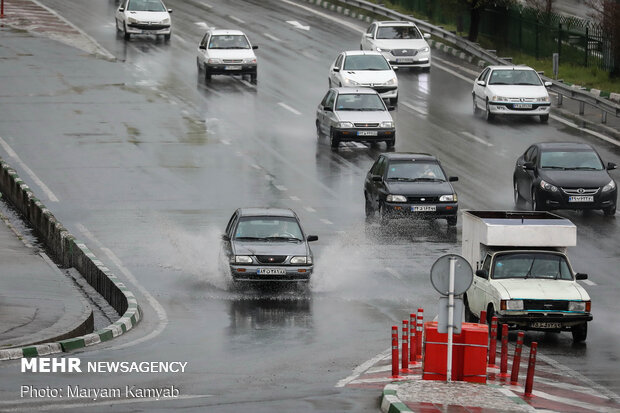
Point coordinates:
pixel 143 17
pixel 359 68
pixel 402 43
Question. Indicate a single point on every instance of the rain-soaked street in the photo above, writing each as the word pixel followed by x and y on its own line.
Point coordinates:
pixel 145 161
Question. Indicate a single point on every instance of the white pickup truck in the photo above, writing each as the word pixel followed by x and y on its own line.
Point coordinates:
pixel 522 273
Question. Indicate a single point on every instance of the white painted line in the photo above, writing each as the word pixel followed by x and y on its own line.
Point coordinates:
pixel 385 379
pixel 394 272
pixel 518 390
pixel 36 180
pixel 477 139
pixel 588 282
pixel 281 188
pixel 225 142
pixel 458 66
pixel 207 5
pixel 238 20
pixel 248 84
pixel 379 369
pixel 255 166
pixel 309 55
pixel 67 404
pixel 357 371
pixel 294 198
pixel 309 209
pixel 202 24
pixel 326 221
pixel 180 39
pixel 359 145
pixel 410 106
pixel 272 37
pixel 290 109
pixel 342 22
pixel 591 132
pixel 298 25
pixel 269 177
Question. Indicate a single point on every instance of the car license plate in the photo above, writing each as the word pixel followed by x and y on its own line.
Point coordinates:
pixel 232 67
pixel 367 133
pixel 404 60
pixel 581 198
pixel 423 208
pixel 271 271
pixel 543 324
pixel 522 106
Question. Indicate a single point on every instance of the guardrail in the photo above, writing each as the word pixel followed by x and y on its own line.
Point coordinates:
pixel 474 49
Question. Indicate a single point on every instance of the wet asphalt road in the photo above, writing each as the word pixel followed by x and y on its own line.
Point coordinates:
pixel 148 162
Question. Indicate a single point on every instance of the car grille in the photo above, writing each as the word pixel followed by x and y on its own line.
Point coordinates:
pixel 233 60
pixel 271 259
pixel 423 199
pixel 366 125
pixel 404 52
pixel 545 305
pixel 149 26
pixel 580 191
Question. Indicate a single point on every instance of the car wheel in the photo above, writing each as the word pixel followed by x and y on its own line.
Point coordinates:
pixel 361 47
pixel 253 77
pixel 544 118
pixel 580 332
pixel 167 36
pixel 390 143
pixel 469 315
pixel 517 197
pixel 318 130
pixel 207 74
pixel 394 100
pixel 534 202
pixel 332 140
pixel 611 211
pixel 126 35
pixel 476 109
pixel 451 221
pixel 426 69
pixel 383 215
pixel 198 65
pixel 488 115
pixel 370 211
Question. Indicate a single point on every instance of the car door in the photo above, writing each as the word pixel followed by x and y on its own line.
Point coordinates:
pixel 202 52
pixel 528 176
pixel 379 188
pixel 226 251
pixel 120 14
pixel 368 38
pixel 479 90
pixel 477 293
pixel 369 184
pixel 335 77
pixel 520 174
pixel 322 114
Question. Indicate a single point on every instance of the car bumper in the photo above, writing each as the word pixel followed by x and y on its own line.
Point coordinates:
pixel 560 200
pixel 554 322
pixel 250 273
pixel 385 134
pixel 385 92
pixel 416 61
pixel 402 210
pixel 501 108
pixel 135 28
pixel 232 69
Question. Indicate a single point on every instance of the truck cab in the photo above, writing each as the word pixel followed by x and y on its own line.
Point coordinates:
pixel 522 273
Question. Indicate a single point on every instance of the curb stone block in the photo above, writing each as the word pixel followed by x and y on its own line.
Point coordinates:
pixel 332 7
pixel 347 12
pixel 462 56
pixel 615 97
pixel 595 92
pixel 481 63
pixel 339 9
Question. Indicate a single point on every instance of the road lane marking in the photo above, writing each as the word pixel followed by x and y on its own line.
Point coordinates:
pixel 591 132
pixel 32 175
pixel 309 209
pixel 298 25
pixel 281 188
pixel 394 273
pixel 357 371
pixel 207 5
pixel 588 282
pixel 255 166
pixel 225 142
pixel 269 36
pixel 410 106
pixel 268 177
pixel 238 20
pixel 327 16
pixel 477 139
pixel 66 403
pixel 202 24
pixel 518 391
pixel 294 198
pixel 326 221
pixel 290 109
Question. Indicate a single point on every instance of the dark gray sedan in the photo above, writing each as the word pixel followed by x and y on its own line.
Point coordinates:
pixel 267 244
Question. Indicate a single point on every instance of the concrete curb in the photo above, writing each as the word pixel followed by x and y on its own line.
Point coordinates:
pixel 390 403
pixel 71 253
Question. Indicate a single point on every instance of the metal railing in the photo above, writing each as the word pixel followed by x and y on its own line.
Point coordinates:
pixel 474 49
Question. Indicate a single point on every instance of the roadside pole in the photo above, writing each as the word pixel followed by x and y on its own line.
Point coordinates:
pixel 450 319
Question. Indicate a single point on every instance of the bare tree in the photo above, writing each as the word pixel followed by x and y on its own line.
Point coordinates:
pixel 545 6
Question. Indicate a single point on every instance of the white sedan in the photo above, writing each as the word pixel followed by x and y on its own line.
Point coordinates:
pixel 358 68
pixel 511 90
pixel 143 17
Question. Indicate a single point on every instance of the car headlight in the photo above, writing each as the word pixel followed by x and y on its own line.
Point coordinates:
pixel 250 60
pixel 299 260
pixel 611 185
pixel 344 125
pixel 350 82
pixel 547 186
pixel 543 99
pixel 396 198
pixel 392 81
pixel 214 61
pixel 499 99
pixel 243 259
pixel 576 306
pixel 426 49
pixel 379 49
pixel 448 198
pixel 514 305
pixel 165 21
pixel 132 20
pixel 387 124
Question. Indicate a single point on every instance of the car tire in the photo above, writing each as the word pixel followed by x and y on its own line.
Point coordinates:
pixel 253 77
pixel 452 221
pixel 487 114
pixel 426 69
pixel 318 130
pixel 126 35
pixel 519 201
pixel 390 143
pixel 609 212
pixel 394 101
pixel 476 109
pixel 369 210
pixel 469 315
pixel 167 36
pixel 534 202
pixel 333 141
pixel 207 74
pixel 580 332
pixel 544 118
pixel 383 216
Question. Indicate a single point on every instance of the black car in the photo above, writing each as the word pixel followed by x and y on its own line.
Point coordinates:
pixel 267 244
pixel 563 175
pixel 402 184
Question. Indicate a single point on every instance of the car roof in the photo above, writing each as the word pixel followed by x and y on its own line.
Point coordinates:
pixel 409 156
pixel 355 90
pixel 564 145
pixel 513 67
pixel 395 23
pixel 362 52
pixel 266 211
pixel 226 32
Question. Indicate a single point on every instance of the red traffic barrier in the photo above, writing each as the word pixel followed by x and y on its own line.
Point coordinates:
pixel 529 381
pixel 413 325
pixel 503 364
pixel 419 333
pixel 394 351
pixel 493 343
pixel 405 346
pixel 516 362
pixel 483 317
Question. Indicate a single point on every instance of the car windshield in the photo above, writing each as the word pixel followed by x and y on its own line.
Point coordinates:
pixel 398 32
pixel 268 229
pixel 359 101
pixel 237 41
pixel 531 265
pixel 145 5
pixel 415 171
pixel 366 62
pixel 514 77
pixel 587 160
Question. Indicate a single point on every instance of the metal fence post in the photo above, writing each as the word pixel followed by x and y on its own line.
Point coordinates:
pixel 560 39
pixel 536 42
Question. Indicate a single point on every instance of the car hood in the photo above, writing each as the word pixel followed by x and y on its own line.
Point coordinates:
pixel 148 16
pixel 401 43
pixel 533 288
pixel 357 116
pixel 511 91
pixel 369 76
pixel 231 53
pixel 572 179
pixel 419 188
pixel 269 248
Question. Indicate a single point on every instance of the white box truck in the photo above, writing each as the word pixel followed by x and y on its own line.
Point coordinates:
pixel 521 272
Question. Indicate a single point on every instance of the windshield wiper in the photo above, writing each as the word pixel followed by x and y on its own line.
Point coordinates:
pixel 250 239
pixel 529 272
pixel 582 168
pixel 555 167
pixel 428 180
pixel 400 178
pixel 284 238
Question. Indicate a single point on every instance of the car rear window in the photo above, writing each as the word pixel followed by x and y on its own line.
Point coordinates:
pixel 586 160
pixel 366 62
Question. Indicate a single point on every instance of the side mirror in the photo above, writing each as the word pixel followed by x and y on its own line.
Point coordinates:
pixel 121 9
pixel 202 47
pixel 453 178
pixel 481 82
pixel 312 238
pixel 581 276
pixel 482 274
pixel 394 68
pixel 225 237
pixel 254 47
pixel 369 35
pixel 336 69
pixel 391 108
pixel 548 84
pixel 169 10
pixel 427 35
pixel 529 166
pixel 611 166
pixel 377 178
pixel 327 109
